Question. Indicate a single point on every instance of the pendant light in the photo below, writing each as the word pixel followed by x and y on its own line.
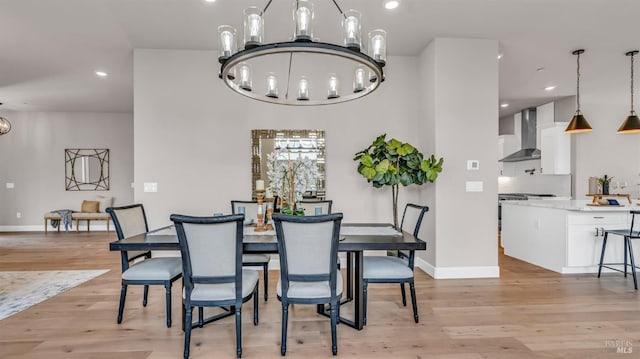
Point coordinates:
pixel 632 123
pixel 578 123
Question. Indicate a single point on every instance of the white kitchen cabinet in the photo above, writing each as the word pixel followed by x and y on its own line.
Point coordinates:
pixel 507 144
pixel 585 232
pixel 555 150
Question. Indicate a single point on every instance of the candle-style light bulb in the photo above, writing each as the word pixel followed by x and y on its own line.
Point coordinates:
pixel 272 86
pixel 253 27
pixel 358 80
pixel 245 77
pixel 227 42
pixel 351 27
pixel 333 87
pixel 378 46
pixel 303 17
pixel 303 90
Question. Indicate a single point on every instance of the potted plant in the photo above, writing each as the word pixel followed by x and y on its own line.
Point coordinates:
pixel 394 163
pixel 604 183
pixel 290 178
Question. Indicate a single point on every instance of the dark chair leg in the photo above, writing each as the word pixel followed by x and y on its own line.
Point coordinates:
pixel 404 296
pixel 239 331
pixel 123 296
pixel 334 322
pixel 604 245
pixel 200 317
pixel 285 317
pixel 265 269
pixel 255 306
pixel 183 315
pixel 187 331
pixel 167 290
pixel 412 288
pixel 146 294
pixel 626 244
pixel 633 264
pixel 365 286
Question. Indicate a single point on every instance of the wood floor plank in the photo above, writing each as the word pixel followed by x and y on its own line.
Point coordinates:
pixel 528 312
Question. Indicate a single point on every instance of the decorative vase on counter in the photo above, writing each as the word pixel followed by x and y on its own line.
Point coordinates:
pixel 605 188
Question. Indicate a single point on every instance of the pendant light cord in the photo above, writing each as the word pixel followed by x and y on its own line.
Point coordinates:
pixel 632 111
pixel 578 85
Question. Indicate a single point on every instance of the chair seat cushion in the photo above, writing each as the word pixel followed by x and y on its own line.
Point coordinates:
pixel 310 289
pixel 154 269
pixel 255 258
pixel 225 291
pixel 379 267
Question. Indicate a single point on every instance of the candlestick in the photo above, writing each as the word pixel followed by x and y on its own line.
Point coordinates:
pixel 260 227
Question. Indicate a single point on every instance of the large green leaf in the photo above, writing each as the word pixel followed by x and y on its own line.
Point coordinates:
pixel 367 160
pixel 405 149
pixel 405 179
pixel 368 173
pixel 383 166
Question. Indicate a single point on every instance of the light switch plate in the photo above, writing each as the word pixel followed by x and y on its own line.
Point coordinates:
pixel 151 186
pixel 10 185
pixel 473 186
pixel 473 165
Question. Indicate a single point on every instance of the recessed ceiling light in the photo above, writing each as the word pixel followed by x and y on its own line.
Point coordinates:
pixel 499 56
pixel 504 105
pixel 549 88
pixel 392 4
pixel 101 74
pixel 540 69
pixel 210 0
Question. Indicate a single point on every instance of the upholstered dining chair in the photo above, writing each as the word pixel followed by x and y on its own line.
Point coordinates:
pixel 308 252
pixel 138 268
pixel 211 249
pixel 315 207
pixel 250 210
pixel 396 267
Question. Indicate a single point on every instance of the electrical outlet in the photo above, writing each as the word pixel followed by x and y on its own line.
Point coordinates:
pixel 10 185
pixel 18 215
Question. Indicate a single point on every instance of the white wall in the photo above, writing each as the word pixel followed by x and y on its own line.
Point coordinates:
pixel 460 104
pixel 604 151
pixel 32 157
pixel 192 136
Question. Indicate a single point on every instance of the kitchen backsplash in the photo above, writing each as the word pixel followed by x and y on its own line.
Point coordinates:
pixel 517 178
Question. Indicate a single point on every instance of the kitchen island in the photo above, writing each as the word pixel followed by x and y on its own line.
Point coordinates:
pixel 564 236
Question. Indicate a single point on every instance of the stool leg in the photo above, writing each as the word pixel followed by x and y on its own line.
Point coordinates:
pixel 633 263
pixel 604 245
pixel 625 245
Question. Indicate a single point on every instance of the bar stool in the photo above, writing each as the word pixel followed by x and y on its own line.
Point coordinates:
pixel 628 235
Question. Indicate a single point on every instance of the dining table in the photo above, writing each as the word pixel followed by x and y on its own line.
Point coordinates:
pixel 355 238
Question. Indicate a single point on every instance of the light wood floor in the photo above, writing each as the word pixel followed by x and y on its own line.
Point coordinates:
pixel 527 313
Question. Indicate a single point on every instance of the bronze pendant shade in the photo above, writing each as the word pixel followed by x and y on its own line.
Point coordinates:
pixel 632 123
pixel 578 123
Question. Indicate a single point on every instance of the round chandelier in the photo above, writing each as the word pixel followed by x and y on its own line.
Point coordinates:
pixel 302 71
pixel 5 125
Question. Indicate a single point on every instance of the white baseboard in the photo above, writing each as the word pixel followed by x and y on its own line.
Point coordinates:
pixel 457 272
pixel 40 228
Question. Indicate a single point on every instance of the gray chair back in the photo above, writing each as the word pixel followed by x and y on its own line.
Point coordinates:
pixel 211 249
pixel 315 207
pixel 308 248
pixel 412 218
pixel 129 221
pixel 411 223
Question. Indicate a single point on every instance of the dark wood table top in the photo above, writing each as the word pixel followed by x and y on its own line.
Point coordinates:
pixel 267 243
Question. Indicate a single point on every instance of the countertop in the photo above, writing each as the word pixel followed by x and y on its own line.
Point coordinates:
pixel 574 205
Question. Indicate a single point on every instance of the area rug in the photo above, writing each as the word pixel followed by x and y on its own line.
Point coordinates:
pixel 21 289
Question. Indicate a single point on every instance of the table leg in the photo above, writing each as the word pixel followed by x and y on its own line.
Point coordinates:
pixel 358 305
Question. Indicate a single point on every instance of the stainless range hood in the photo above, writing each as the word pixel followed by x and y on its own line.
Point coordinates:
pixel 529 150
